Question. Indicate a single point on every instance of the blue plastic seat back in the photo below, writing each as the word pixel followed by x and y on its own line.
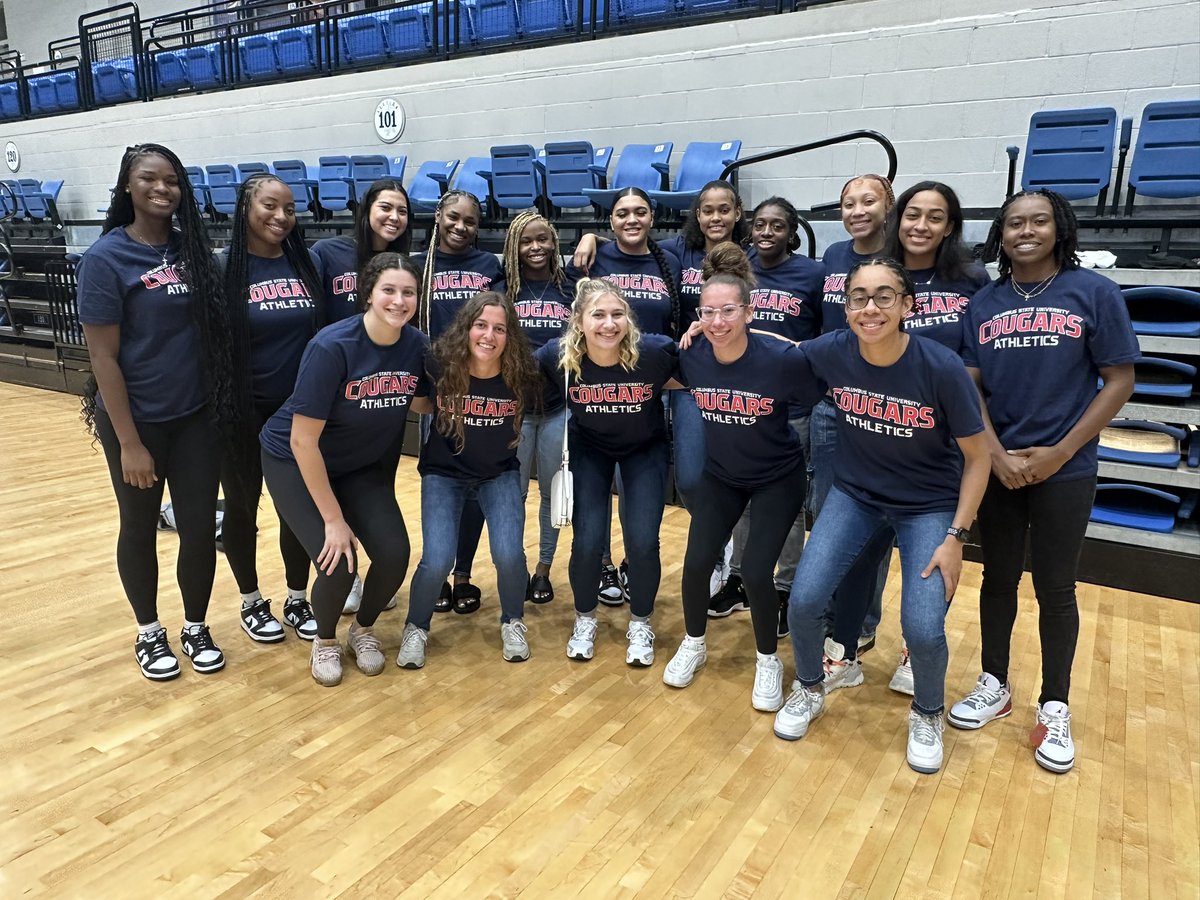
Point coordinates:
pixel 10 104
pixel 246 169
pixel 291 171
pixel 369 167
pixel 42 95
pixel 703 162
pixel 296 49
pixel 170 73
pixel 114 82
pixel 204 66
pixel 430 182
pixel 221 173
pixel 545 17
pixel 569 173
pixel 258 57
pixel 336 195
pixel 636 167
pixel 602 162
pixel 1070 151
pixel 470 180
pixel 494 21
pixel 66 88
pixel 407 31
pixel 707 7
pixel 638 11
pixel 362 40
pixel 334 168
pixel 514 176
pixel 1166 160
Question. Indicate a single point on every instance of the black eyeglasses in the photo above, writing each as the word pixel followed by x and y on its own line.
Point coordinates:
pixel 885 298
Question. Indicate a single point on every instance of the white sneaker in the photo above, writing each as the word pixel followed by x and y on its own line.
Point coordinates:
pixel 924 742
pixel 691 655
pixel 512 635
pixel 641 644
pixel 364 646
pixel 354 598
pixel 1055 750
pixel 720 572
pixel 838 672
pixel 803 707
pixel 768 684
pixel 583 638
pixel 391 604
pixel 326 661
pixel 990 700
pixel 412 647
pixel 902 680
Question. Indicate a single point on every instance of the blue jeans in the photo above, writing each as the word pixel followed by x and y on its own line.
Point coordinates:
pixel 838 537
pixel 793 547
pixel 442 502
pixel 644 474
pixel 541 440
pixel 470 528
pixel 687 443
pixel 867 577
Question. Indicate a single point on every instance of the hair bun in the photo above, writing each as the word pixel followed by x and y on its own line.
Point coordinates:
pixel 727 258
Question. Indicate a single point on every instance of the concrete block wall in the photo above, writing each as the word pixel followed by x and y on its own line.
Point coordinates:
pixel 950 82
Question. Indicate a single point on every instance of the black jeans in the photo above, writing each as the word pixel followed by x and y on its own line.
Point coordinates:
pixel 239 530
pixel 716 508
pixel 368 500
pixel 1054 515
pixel 187 456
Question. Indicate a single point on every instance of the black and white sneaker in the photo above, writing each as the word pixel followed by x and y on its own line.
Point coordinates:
pixel 258 622
pixel 298 614
pixel 610 592
pixel 623 575
pixel 154 655
pixel 199 646
pixel 730 599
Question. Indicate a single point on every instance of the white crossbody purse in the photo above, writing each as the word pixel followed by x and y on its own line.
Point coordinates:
pixel 562 486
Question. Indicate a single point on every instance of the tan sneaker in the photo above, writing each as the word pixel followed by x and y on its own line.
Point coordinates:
pixel 366 650
pixel 327 662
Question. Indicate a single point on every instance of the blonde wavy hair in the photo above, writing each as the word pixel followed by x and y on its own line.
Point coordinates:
pixel 573 346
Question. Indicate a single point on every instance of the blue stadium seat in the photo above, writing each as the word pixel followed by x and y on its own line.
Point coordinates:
pixel 545 17
pixel 66 86
pixel 407 31
pixel 1166 159
pixel 10 102
pixel 205 66
pixel 221 173
pixel 702 162
pixel 223 181
pixel 170 72
pixel 362 40
pixel 38 199
pixel 707 7
pixel 1070 151
pixel 569 170
pixel 601 163
pixel 494 21
pixel 114 82
pixel 514 177
pixel 636 12
pixel 641 165
pixel 475 177
pixel 246 169
pixel 296 50
pixel 258 58
pixel 336 183
pixel 366 169
pixel 199 184
pixel 430 182
pixel 294 173
pixel 43 98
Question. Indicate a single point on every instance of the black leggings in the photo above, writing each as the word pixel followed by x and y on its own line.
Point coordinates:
pixel 187 456
pixel 716 508
pixel 1055 516
pixel 239 531
pixel 368 500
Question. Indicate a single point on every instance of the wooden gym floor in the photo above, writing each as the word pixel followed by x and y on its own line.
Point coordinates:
pixel 476 778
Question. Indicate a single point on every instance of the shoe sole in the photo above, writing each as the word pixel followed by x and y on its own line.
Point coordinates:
pixel 271 639
pixel 161 676
pixel 209 668
pixel 411 665
pixel 1050 766
pixel 976 724
pixel 924 769
pixel 300 634
pixel 515 658
pixel 607 601
pixel 739 607
pixel 580 654
pixel 684 684
pixel 639 662
pixel 327 683
pixel 795 737
pixel 358 665
pixel 757 703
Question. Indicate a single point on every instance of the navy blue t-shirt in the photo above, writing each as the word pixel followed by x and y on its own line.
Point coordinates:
pixel 456 280
pixel 489 411
pixel 838 260
pixel 360 390
pixel 614 410
pixel 337 262
pixel 1040 359
pixel 787 299
pixel 123 282
pixel 691 276
pixel 640 280
pixel 282 321
pixel 897 423
pixel 745 405
pixel 543 309
pixel 938 305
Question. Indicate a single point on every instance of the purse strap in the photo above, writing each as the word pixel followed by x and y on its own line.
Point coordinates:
pixel 566 458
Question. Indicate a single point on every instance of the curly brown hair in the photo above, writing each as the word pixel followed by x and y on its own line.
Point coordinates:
pixel 452 351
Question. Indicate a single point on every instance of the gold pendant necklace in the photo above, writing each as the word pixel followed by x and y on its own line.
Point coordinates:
pixel 141 240
pixel 1036 290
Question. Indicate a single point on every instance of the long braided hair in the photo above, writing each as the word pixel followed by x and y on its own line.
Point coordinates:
pixel 452 350
pixel 237 278
pixel 659 255
pixel 512 253
pixel 431 254
pixel 573 346
pixel 1066 233
pixel 363 235
pixel 205 297
pixel 693 237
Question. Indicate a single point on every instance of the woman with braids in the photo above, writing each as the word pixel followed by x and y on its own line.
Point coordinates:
pixel 325 457
pixel 649 279
pixel 455 270
pixel 614 377
pixel 152 310
pixel 906 408
pixel 744 384
pixel 481 372
pixel 380 224
pixel 275 307
pixel 538 290
pixel 1037 342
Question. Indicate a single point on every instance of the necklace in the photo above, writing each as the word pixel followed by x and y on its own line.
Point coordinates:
pixel 141 240
pixel 1039 288
pixel 545 287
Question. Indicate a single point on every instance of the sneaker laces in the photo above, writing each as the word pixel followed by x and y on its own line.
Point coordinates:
pixel 639 634
pixel 585 629
pixel 924 729
pixel 158 646
pixel 413 637
pixel 686 654
pixel 299 609
pixel 1058 728
pixel 200 638
pixel 516 629
pixel 327 653
pixel 768 676
pixel 799 701
pixel 983 696
pixel 366 640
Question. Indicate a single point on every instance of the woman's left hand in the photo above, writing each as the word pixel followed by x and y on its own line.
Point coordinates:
pixel 1039 463
pixel 690 335
pixel 948 558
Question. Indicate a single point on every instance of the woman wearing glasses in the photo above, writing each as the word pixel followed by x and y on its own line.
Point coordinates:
pixel 743 384
pixel 903 403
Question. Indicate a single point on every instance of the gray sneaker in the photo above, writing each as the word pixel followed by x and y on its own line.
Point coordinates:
pixel 327 662
pixel 512 634
pixel 366 650
pixel 802 708
pixel 412 647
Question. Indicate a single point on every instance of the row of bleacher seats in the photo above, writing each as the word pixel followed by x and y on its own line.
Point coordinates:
pixel 112 82
pixel 30 200
pixel 559 177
